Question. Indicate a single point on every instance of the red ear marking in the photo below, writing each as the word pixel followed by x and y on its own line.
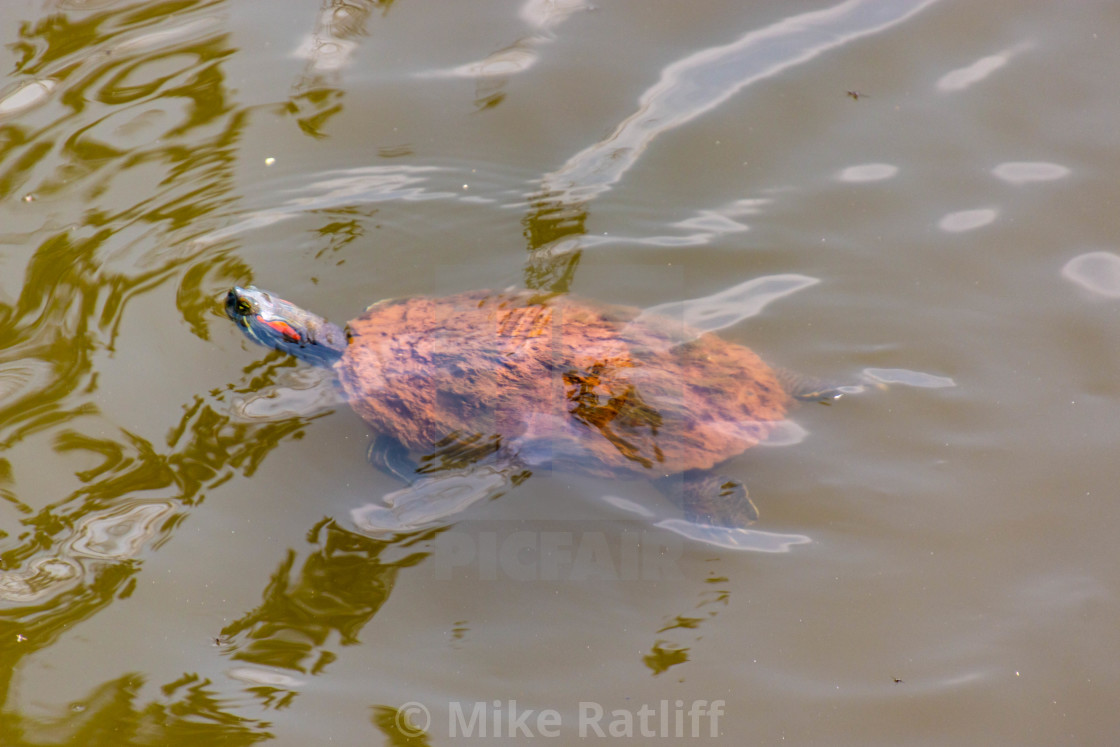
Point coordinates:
pixel 283 328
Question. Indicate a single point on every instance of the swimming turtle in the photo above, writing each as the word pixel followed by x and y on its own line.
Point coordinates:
pixel 513 380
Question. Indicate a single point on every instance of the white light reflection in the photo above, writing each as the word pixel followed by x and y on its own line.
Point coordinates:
pixel 702 81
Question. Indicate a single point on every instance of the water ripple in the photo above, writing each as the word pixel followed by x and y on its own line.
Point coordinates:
pixel 907 377
pixel 23 377
pixel 1023 172
pixel 1098 272
pixel 113 535
pixel 726 538
pixel 367 184
pixel 301 392
pixel 541 16
pixel 119 534
pixel 26 96
pixel 706 79
pixel 731 306
pixel 867 172
pixel 258 676
pixel 970 75
pixel 967 220
pixel 734 538
pixel 168 36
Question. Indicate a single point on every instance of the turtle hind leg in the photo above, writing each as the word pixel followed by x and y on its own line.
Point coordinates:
pixel 709 499
pixel 391 457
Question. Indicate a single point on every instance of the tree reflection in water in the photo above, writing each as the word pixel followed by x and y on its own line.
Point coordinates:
pixel 137 96
pixel 340 586
pixel 207 448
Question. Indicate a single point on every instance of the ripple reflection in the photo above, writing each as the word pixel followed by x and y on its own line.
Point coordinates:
pixel 867 172
pixel 542 17
pixel 728 307
pixel 970 75
pixel 702 81
pixel 967 220
pixel 1024 172
pixel 1098 272
pixel 113 535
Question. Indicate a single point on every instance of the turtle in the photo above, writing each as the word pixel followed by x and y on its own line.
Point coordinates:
pixel 490 385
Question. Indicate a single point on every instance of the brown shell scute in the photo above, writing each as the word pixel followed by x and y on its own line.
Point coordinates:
pixel 599 389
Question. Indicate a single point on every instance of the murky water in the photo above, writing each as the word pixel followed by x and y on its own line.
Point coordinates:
pixel 916 193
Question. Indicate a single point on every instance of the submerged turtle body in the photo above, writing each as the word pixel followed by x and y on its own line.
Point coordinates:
pixel 584 387
pixel 513 380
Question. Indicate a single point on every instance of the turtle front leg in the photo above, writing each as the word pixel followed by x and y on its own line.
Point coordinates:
pixel 391 457
pixel 709 499
pixel 433 496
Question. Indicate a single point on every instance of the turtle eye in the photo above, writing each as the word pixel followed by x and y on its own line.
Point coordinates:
pixel 244 307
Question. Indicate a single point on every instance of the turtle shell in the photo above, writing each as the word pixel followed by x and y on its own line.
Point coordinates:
pixel 599 389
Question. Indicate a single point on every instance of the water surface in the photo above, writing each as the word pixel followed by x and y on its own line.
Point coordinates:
pixel 921 192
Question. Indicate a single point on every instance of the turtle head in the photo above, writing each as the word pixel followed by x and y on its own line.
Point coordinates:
pixel 275 323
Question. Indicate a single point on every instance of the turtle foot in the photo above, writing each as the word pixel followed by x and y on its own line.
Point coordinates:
pixel 735 538
pixel 430 501
pixel 710 499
